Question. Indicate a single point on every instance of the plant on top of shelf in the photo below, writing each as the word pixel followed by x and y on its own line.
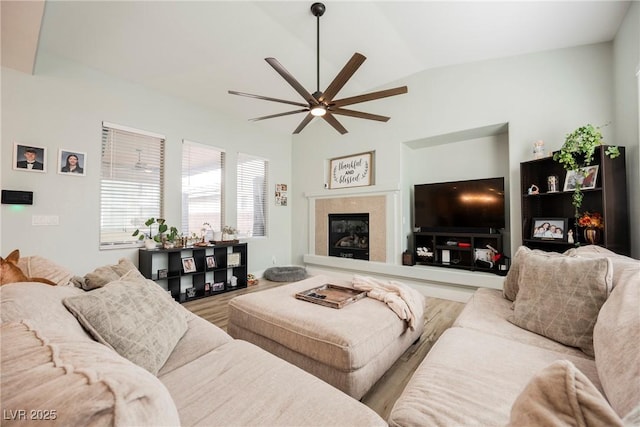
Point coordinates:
pixel 169 233
pixel 577 152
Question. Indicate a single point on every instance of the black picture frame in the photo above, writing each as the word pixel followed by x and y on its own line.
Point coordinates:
pixel 218 286
pixel 163 273
pixel 547 229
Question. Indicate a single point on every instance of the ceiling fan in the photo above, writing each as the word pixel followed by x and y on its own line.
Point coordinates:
pixel 323 104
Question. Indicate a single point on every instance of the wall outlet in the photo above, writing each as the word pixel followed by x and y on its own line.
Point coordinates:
pixel 45 220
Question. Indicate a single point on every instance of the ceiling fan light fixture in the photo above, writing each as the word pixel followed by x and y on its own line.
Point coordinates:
pixel 318 111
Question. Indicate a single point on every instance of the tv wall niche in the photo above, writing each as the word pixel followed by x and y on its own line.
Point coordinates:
pixel 459 224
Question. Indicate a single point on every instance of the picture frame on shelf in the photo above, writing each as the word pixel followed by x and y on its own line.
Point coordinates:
pixel 219 286
pixel 163 273
pixel 190 292
pixel 586 177
pixel 550 229
pixel 207 287
pixel 211 261
pixel 188 265
pixel 233 259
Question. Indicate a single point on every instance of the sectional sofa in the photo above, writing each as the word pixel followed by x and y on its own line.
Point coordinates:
pixel 126 354
pixel 559 345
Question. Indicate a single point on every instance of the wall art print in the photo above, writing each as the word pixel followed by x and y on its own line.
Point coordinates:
pixel 351 171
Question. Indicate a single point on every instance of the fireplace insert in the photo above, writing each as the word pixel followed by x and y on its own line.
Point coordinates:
pixel 349 235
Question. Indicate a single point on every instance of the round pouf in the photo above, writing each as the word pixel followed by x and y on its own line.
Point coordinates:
pixel 285 274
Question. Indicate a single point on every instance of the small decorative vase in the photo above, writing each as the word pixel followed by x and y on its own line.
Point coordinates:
pixel 149 243
pixel 592 235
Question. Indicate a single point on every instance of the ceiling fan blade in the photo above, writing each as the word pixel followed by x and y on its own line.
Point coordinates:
pixel 359 114
pixel 303 123
pixel 369 96
pixel 266 98
pixel 334 122
pixel 292 81
pixel 279 115
pixel 343 76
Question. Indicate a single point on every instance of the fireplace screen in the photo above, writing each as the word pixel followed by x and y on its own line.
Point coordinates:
pixel 349 235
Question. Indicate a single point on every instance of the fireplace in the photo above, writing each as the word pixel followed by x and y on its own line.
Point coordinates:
pixel 349 235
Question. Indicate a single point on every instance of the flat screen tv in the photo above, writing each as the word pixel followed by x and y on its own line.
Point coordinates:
pixel 475 205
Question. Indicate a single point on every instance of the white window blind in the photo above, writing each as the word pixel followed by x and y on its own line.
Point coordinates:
pixel 131 183
pixel 252 196
pixel 202 187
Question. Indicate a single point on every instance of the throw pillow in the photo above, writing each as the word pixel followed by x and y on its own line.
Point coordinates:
pixel 560 297
pixel 69 382
pixel 136 318
pixel 37 266
pixel 510 286
pixel 561 395
pixel 106 274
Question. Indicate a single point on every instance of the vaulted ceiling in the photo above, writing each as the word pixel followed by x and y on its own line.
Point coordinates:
pixel 199 50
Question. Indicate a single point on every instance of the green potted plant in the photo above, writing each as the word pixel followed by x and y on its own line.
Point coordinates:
pixel 577 152
pixel 165 233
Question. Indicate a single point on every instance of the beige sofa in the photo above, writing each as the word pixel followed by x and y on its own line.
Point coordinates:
pixel 187 371
pixel 490 370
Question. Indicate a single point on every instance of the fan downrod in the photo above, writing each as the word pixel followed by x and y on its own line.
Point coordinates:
pixel 318 9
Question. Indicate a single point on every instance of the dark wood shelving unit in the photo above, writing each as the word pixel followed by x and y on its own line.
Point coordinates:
pixel 609 197
pixel 460 257
pixel 150 261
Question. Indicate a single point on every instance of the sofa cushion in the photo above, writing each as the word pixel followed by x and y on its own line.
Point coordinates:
pixel 624 268
pixel 471 378
pixel 560 297
pixel 239 384
pixel 76 383
pixel 42 304
pixel 106 274
pixel 616 341
pixel 488 311
pixel 511 281
pixel 37 266
pixel 201 337
pixel 135 318
pixel 561 395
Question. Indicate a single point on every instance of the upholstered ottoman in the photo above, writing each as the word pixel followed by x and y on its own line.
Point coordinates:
pixel 349 348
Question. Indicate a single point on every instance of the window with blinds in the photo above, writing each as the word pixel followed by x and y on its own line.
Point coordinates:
pixel 131 183
pixel 202 187
pixel 252 196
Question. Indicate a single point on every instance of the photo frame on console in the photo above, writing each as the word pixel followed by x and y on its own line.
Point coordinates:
pixel 554 229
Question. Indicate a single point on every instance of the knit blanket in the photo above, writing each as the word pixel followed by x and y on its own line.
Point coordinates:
pixel 398 296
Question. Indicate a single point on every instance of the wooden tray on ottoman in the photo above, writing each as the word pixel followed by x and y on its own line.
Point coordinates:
pixel 331 295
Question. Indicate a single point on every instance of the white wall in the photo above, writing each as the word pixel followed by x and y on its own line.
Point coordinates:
pixel 540 96
pixel 626 48
pixel 62 106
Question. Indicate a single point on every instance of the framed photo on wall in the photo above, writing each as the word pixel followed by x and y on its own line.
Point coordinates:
pixel 549 229
pixel 29 158
pixel 71 162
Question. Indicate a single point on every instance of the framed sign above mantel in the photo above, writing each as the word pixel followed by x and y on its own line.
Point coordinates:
pixel 355 170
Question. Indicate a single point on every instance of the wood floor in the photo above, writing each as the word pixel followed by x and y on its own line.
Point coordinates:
pixel 439 316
